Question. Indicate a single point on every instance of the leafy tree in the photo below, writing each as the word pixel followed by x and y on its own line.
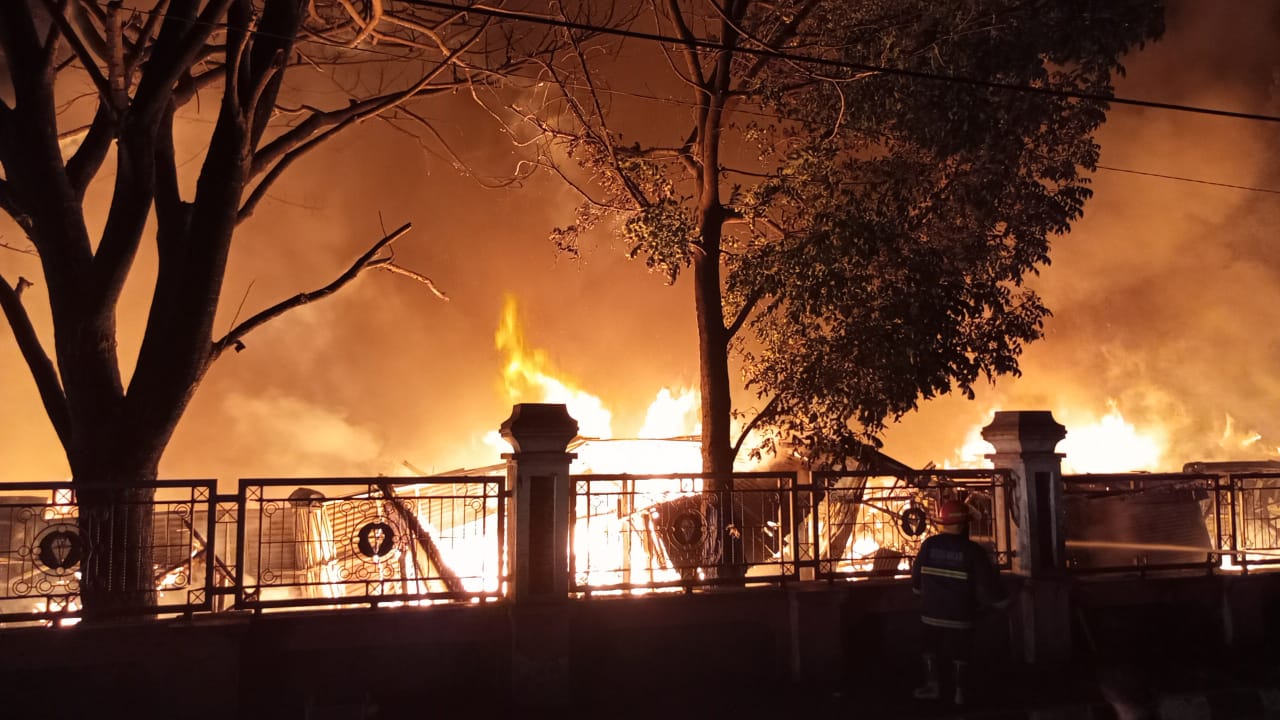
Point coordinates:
pixel 856 189
pixel 140 65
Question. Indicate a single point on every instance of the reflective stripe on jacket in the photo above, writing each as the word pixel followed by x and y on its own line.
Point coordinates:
pixel 954 577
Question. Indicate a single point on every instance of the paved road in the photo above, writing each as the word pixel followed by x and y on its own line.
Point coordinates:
pixel 1239 689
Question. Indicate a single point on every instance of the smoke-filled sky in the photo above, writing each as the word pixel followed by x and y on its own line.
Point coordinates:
pixel 1166 295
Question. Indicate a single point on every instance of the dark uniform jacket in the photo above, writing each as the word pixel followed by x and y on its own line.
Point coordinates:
pixel 955 578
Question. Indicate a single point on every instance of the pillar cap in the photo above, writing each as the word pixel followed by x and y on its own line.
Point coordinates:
pixel 539 427
pixel 1022 431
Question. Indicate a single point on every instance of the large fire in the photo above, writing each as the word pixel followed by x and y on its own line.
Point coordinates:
pixel 1109 443
pixel 665 443
pixel 1096 442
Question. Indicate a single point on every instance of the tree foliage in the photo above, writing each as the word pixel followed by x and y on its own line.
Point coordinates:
pixel 858 191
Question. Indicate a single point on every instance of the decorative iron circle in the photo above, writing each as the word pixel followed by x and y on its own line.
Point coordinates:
pixel 687 529
pixel 376 540
pixel 913 521
pixel 59 549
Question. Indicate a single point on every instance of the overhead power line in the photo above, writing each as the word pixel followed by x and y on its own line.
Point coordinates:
pixel 707 44
pixel 778 54
pixel 842 64
pixel 1189 180
pixel 804 121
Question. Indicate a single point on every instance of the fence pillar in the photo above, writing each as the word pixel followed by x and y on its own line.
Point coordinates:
pixel 1025 443
pixel 538 551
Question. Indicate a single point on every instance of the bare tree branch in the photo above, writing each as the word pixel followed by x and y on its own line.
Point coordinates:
pixel 42 368
pixel 375 16
pixel 168 197
pixel 191 85
pixel 743 313
pixel 755 421
pixel 181 38
pixel 419 27
pixel 87 58
pixel 7 202
pixel 689 49
pixel 83 14
pixel 117 76
pixel 133 60
pixel 88 158
pixel 23 250
pixel 449 155
pixel 298 142
pixel 366 261
pixel 413 275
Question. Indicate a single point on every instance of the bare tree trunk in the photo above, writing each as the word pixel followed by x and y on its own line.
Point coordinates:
pixel 713 348
pixel 118 574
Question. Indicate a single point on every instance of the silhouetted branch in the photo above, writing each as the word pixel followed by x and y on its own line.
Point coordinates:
pixel 134 58
pixel 25 251
pixel 181 38
pixel 7 202
pixel 94 145
pixel 743 313
pixel 42 368
pixel 369 260
pixel 87 59
pixel 759 418
pixel 297 142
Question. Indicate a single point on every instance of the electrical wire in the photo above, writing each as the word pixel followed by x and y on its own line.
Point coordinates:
pixel 842 64
pixel 1162 176
pixel 776 54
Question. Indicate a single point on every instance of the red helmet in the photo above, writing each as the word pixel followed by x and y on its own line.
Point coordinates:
pixel 952 512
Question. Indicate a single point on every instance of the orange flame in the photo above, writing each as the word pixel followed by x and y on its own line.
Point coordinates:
pixel 1106 444
pixel 530 376
pixel 1112 444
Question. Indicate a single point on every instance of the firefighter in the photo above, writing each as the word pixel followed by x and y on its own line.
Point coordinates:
pixel 955 578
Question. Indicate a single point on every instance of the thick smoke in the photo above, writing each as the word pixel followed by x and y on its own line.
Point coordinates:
pixel 1167 294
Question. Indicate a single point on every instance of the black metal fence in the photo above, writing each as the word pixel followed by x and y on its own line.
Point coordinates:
pixel 336 542
pixel 54 548
pixel 663 531
pixel 1252 528
pixel 343 541
pixel 1145 522
pixel 870 525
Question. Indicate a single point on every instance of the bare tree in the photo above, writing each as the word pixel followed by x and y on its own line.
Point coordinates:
pixel 141 63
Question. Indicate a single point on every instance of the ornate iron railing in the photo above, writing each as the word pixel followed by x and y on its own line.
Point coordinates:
pixel 378 541
pixel 1146 521
pixel 629 532
pixel 53 547
pixel 1254 521
pixel 370 541
pixel 870 525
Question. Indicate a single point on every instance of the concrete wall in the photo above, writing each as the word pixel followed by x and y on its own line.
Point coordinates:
pixel 456 660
